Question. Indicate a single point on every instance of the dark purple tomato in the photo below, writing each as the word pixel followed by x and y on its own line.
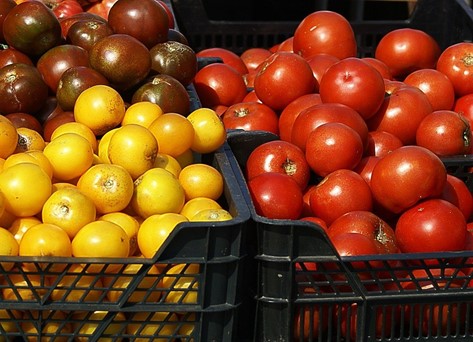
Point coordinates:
pixel 175 59
pixel 146 20
pixel 75 80
pixel 165 91
pixel 22 89
pixel 85 33
pixel 122 59
pixel 10 56
pixel 32 28
pixel 177 36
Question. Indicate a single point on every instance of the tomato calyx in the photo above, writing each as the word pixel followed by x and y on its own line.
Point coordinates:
pixel 289 166
pixel 380 233
pixel 241 112
pixel 467 60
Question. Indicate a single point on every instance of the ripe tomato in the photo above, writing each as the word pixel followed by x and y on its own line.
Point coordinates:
pixel 333 146
pixel 401 113
pixel 445 133
pixel 314 116
pixel 279 156
pixel 101 8
pixel 405 176
pixel 381 143
pixel 209 130
pixel 8 137
pixel 282 78
pixel 251 116
pixel 406 50
pixel 383 69
pixel 436 85
pixel 292 111
pixel 433 225
pixel 325 32
pixel 228 57
pixel 253 57
pixel 456 62
pixel 10 247
pixel 276 196
pixel 365 167
pixel 219 84
pixel 129 224
pixel 354 83
pixel 457 192
pixel 201 180
pixel 338 193
pixel 464 106
pixel 320 63
pixel 64 8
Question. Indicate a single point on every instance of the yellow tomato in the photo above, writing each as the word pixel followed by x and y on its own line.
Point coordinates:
pixel 154 324
pixel 134 147
pixel 34 156
pixel 21 224
pixel 70 155
pixel 29 140
pixel 211 215
pixel 185 158
pixel 128 223
pixel 167 162
pixel 194 205
pixel 8 137
pixel 174 133
pixel 157 191
pixel 100 108
pixel 154 231
pixel 8 247
pixel 201 180
pixel 209 130
pixel 25 187
pixel 104 141
pixel 109 186
pixel 142 113
pixel 78 128
pixel 70 209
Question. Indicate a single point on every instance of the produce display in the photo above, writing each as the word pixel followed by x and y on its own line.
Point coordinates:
pixel 115 187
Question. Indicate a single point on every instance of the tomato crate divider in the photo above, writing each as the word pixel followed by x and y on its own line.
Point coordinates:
pixel 300 274
pixel 446 20
pixel 203 295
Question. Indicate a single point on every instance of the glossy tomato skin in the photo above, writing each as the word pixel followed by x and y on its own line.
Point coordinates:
pixel 145 20
pixel 381 143
pixel 325 32
pixel 338 193
pixel 354 83
pixel 5 7
pixel 251 116
pixel 457 192
pixel 292 111
pixel 433 225
pixel 365 167
pixel 32 28
pixel 333 146
pixel 464 106
pixel 253 57
pixel 22 89
pixel 282 78
pixel 320 63
pixel 456 62
pixel 85 33
pixel 66 23
pixel 65 8
pixel 219 84
pixel 401 113
pixel 445 133
pixel 406 175
pixel 276 196
pixel 57 60
pixel 10 56
pixel 279 156
pixel 314 116
pixel 228 57
pixel 436 85
pixel 406 50
pixel 379 65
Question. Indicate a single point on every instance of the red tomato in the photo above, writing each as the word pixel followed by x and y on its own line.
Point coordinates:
pixel 171 21
pixel 408 174
pixel 64 8
pixel 276 196
pixel 253 57
pixel 433 225
pixel 325 32
pixel 320 63
pixel 286 45
pixel 292 111
pixel 369 224
pixel 25 120
pixel 381 143
pixel 282 78
pixel 338 193
pixel 314 116
pixel 101 8
pixel 456 192
pixel 365 167
pixel 464 106
pixel 219 84
pixel 306 210
pixel 251 97
pixel 279 156
pixel 250 116
pixel 10 56
pixel 355 244
pixel 228 57
pixel 456 62
pixel 401 113
pixel 333 146
pixel 354 83
pixel 316 220
pixel 382 68
pixel 436 85
pixel 445 133
pixel 406 50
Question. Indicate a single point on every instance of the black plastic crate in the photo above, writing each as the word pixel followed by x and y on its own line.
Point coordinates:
pixel 197 300
pixel 448 21
pixel 364 298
